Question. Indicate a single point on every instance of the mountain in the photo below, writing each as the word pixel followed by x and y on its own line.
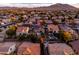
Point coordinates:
pixel 76 5
pixel 28 6
pixel 58 6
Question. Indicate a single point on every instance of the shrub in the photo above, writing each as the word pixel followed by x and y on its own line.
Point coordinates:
pixel 14 28
pixel 11 33
pixel 28 37
pixel 65 36
pixel 33 38
pixel 21 37
pixel 55 22
pixel 0 30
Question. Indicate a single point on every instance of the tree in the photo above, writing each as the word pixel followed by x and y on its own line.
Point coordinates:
pixel 67 36
pixel 33 38
pixel 55 22
pixel 0 30
pixel 42 22
pixel 22 37
pixel 61 34
pixel 12 19
pixel 20 19
pixel 11 31
pixel 12 27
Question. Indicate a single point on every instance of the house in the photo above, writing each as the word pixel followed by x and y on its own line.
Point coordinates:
pixel 46 17
pixel 32 20
pixel 65 28
pixel 37 17
pixel 78 16
pixel 2 36
pixel 22 30
pixel 48 21
pixel 76 21
pixel 36 27
pixel 25 17
pixel 76 28
pixel 60 49
pixel 53 28
pixel 61 17
pixel 75 46
pixel 66 17
pixel 7 48
pixel 54 17
pixel 68 29
pixel 58 20
pixel 27 48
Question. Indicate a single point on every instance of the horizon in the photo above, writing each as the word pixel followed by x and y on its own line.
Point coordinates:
pixel 32 4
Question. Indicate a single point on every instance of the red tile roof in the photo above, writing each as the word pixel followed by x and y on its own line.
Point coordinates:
pixel 4 47
pixel 53 27
pixel 34 48
pixel 75 46
pixel 60 49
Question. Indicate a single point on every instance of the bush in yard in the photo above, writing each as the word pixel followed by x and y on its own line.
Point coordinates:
pixel 12 19
pixel 11 31
pixel 12 27
pixel 33 38
pixel 55 22
pixel 20 19
pixel 42 22
pixel 65 36
pixel 61 34
pixel 0 30
pixel 28 37
pixel 21 37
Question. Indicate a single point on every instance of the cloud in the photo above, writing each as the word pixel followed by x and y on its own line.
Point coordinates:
pixel 40 1
pixel 24 5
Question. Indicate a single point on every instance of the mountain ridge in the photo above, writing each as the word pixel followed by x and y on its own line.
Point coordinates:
pixel 57 6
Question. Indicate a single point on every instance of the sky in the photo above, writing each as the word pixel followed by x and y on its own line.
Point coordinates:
pixel 35 3
pixel 40 1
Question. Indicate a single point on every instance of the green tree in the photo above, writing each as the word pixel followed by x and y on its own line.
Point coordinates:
pixel 11 31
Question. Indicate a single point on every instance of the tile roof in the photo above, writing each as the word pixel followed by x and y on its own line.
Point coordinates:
pixel 60 49
pixel 75 46
pixel 4 47
pixel 22 29
pixel 53 27
pixel 48 21
pixel 25 47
